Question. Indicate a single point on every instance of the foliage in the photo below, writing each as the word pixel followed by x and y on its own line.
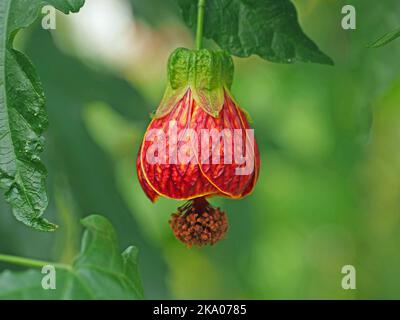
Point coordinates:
pixel 23 118
pixel 98 272
pixel 267 28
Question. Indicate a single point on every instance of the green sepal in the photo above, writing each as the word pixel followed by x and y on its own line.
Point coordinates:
pixel 208 74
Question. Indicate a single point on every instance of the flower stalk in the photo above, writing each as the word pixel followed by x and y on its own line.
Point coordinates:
pixel 200 24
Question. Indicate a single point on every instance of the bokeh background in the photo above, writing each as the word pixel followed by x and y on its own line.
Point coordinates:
pixel 329 137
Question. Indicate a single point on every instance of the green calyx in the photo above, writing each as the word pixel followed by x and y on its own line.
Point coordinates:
pixel 206 73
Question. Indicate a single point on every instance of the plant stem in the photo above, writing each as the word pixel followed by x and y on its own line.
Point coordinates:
pixel 200 24
pixel 26 262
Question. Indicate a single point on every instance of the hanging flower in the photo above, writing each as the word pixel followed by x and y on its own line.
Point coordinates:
pixel 199 144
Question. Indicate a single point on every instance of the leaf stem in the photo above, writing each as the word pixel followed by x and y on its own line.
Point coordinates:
pixel 26 262
pixel 200 23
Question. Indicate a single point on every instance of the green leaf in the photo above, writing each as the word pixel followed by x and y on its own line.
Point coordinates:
pixel 99 272
pixel 385 39
pixel 23 118
pixel 268 28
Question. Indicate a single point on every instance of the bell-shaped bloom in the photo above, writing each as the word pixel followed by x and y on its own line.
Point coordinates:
pixel 199 143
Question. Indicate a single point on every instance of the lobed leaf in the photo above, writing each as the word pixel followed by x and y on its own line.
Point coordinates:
pixel 99 272
pixel 267 28
pixel 23 118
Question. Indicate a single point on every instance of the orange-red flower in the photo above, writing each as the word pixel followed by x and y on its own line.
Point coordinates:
pixel 199 143
pixel 196 178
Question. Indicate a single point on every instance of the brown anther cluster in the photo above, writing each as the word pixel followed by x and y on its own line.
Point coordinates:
pixel 197 223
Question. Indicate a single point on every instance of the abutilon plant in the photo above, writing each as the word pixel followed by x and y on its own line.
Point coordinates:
pixel 198 102
pixel 171 163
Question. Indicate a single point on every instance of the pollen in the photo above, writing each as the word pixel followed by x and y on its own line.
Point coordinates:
pixel 197 223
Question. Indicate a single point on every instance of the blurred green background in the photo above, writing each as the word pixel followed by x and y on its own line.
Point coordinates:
pixel 328 192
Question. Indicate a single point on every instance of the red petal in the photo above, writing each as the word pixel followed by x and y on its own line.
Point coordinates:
pixel 150 193
pixel 177 181
pixel 224 176
pixel 253 182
